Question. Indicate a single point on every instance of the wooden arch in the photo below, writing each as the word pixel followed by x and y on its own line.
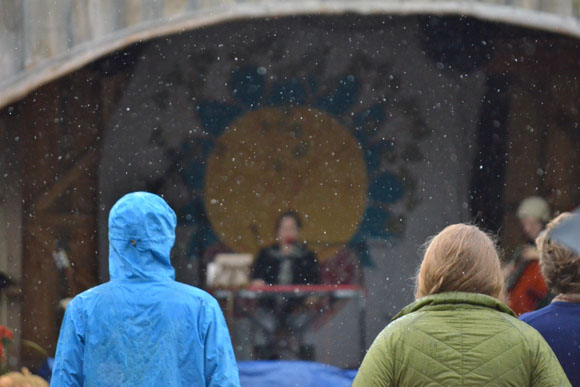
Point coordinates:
pixel 48 41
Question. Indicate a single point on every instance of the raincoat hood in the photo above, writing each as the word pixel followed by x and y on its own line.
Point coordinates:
pixel 141 236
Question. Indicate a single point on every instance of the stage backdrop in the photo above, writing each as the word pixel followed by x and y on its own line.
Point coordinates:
pixel 350 121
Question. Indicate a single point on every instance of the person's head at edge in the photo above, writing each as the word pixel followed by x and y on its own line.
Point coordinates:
pixel 288 226
pixel 461 258
pixel 533 213
pixel 560 266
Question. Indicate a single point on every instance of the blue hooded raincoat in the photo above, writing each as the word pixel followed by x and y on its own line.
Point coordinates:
pixel 142 328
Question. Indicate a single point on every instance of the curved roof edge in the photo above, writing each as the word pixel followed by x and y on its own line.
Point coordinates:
pixel 23 82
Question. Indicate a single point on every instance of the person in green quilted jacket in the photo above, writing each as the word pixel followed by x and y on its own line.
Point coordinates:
pixel 458 332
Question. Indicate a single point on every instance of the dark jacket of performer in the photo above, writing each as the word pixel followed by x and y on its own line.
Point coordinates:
pixel 299 267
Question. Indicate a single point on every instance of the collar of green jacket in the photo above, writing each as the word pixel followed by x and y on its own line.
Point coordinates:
pixel 450 300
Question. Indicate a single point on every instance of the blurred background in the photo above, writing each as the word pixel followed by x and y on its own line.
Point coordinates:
pixel 379 122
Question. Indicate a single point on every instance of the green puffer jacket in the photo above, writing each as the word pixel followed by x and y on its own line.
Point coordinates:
pixel 459 339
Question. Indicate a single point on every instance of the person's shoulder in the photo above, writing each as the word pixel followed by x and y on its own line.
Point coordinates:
pixel 308 251
pixel 403 323
pixel 268 251
pixel 194 293
pixel 396 333
pixel 93 292
pixel 525 331
pixel 86 300
pixel 536 315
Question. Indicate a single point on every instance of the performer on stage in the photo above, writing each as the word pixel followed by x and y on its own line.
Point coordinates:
pixel 288 261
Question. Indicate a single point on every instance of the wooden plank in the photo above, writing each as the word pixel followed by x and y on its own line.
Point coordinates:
pixel 544 145
pixel 49 28
pixel 86 162
pixel 39 165
pixel 60 125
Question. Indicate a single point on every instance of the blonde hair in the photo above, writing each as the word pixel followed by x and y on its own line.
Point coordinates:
pixel 460 258
pixel 24 379
pixel 560 266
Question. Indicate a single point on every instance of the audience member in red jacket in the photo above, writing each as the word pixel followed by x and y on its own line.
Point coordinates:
pixel 525 284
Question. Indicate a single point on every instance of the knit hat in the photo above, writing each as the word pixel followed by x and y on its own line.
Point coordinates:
pixel 534 207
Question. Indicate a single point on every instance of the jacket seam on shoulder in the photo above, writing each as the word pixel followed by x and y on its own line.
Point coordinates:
pixel 496 356
pixel 431 357
pixel 438 340
pixel 525 339
pixel 419 372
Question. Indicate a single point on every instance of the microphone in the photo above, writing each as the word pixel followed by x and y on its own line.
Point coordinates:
pixel 289 241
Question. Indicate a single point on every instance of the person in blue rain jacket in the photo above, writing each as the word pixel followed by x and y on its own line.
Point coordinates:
pixel 142 328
